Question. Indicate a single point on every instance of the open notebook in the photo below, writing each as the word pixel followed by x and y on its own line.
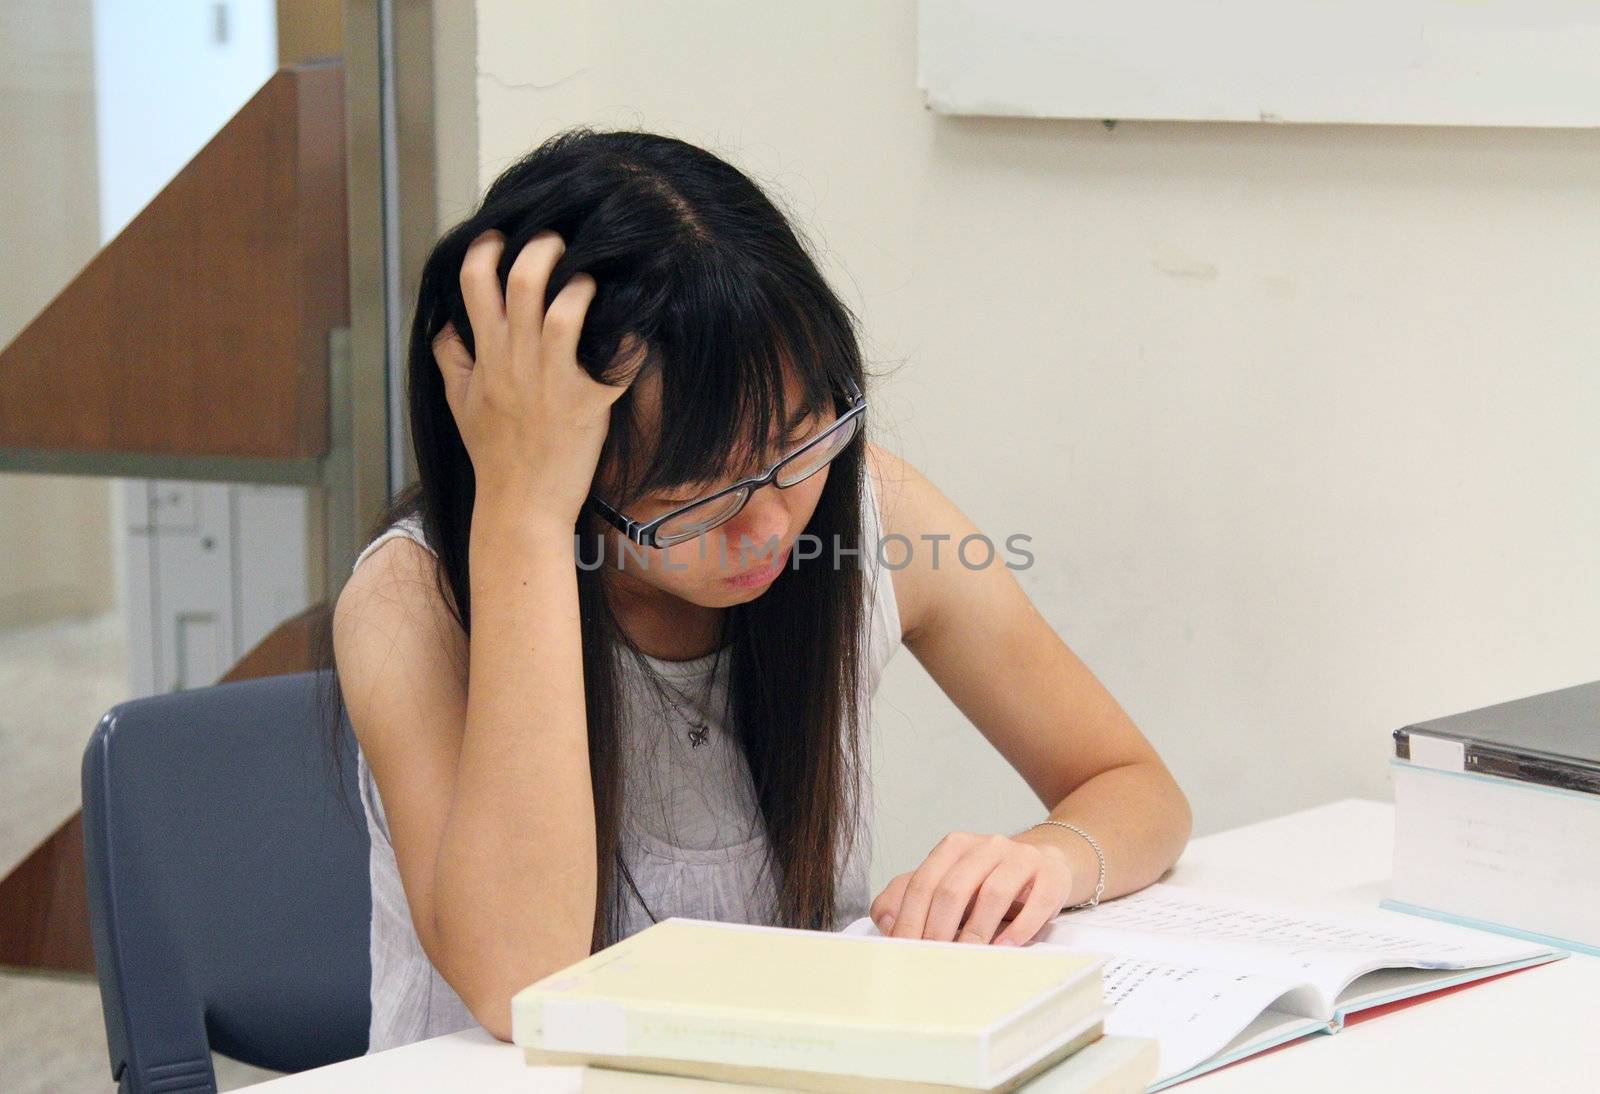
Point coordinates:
pixel 1215 978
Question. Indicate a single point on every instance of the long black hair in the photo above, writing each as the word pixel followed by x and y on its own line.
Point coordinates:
pixel 694 260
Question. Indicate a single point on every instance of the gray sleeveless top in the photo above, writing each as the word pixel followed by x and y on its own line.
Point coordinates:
pixel 691 834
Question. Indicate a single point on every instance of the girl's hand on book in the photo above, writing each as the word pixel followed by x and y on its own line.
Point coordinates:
pixel 532 419
pixel 973 885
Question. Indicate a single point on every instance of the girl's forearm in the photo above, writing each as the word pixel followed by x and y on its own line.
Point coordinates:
pixel 1136 813
pixel 515 875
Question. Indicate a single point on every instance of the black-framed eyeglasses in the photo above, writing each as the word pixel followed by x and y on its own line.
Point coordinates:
pixel 697 517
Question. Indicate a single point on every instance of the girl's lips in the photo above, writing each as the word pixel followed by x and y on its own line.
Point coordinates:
pixel 761 576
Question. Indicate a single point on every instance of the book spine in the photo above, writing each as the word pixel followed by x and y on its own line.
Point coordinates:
pixel 603 1028
pixel 1016 1040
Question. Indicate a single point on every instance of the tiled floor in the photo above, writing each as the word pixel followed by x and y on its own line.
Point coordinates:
pixel 55 682
pixel 53 1039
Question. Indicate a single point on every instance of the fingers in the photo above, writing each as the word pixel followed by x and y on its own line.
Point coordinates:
pixel 925 886
pixel 521 319
pixel 886 907
pixel 995 898
pixel 455 364
pixel 480 290
pixel 526 284
pixel 955 893
pixel 450 351
pixel 1043 904
pixel 563 323
pixel 968 886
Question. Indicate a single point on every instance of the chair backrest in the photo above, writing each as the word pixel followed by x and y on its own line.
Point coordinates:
pixel 228 891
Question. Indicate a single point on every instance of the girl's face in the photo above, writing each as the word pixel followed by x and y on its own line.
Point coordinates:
pixel 738 560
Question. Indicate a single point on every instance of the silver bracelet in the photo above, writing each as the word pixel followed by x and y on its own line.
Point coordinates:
pixel 1100 883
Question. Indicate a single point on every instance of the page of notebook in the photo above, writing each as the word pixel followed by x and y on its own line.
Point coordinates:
pixel 1319 949
pixel 1269 1028
pixel 1214 976
pixel 1189 1009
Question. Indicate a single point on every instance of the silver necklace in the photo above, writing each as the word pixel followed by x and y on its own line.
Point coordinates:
pixel 699 731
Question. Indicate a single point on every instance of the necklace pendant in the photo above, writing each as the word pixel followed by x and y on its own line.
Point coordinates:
pixel 698 735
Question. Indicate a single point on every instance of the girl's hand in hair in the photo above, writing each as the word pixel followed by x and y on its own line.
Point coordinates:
pixel 976 888
pixel 532 419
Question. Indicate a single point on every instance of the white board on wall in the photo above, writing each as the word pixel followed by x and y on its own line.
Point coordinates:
pixel 1390 62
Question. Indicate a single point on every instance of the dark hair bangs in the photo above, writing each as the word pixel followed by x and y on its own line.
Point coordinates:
pixel 727 338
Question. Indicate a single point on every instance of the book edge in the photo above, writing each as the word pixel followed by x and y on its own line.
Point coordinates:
pixel 1121 1062
pixel 1559 947
pixel 981 1037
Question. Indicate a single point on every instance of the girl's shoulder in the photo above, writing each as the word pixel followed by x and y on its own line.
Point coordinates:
pixel 901 493
pixel 399 565
pixel 407 527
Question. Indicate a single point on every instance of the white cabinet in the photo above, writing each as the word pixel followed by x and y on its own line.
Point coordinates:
pixel 212 569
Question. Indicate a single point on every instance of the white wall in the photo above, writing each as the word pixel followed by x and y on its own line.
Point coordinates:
pixel 49 227
pixel 1300 418
pixel 167 76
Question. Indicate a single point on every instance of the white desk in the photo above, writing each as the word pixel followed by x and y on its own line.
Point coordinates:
pixel 1538 1029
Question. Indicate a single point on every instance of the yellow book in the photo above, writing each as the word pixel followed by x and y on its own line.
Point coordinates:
pixel 684 994
pixel 1110 1064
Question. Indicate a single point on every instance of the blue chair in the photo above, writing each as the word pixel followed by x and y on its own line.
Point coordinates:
pixel 228 892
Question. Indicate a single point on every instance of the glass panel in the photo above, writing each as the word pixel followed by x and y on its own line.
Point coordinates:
pixel 110 588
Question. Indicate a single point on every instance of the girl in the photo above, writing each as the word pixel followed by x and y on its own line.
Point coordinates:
pixel 611 657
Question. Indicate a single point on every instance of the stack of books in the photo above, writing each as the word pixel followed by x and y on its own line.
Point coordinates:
pixel 1497 818
pixel 691 1004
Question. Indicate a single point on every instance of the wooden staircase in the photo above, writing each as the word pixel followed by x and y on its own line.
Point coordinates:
pixel 202 343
